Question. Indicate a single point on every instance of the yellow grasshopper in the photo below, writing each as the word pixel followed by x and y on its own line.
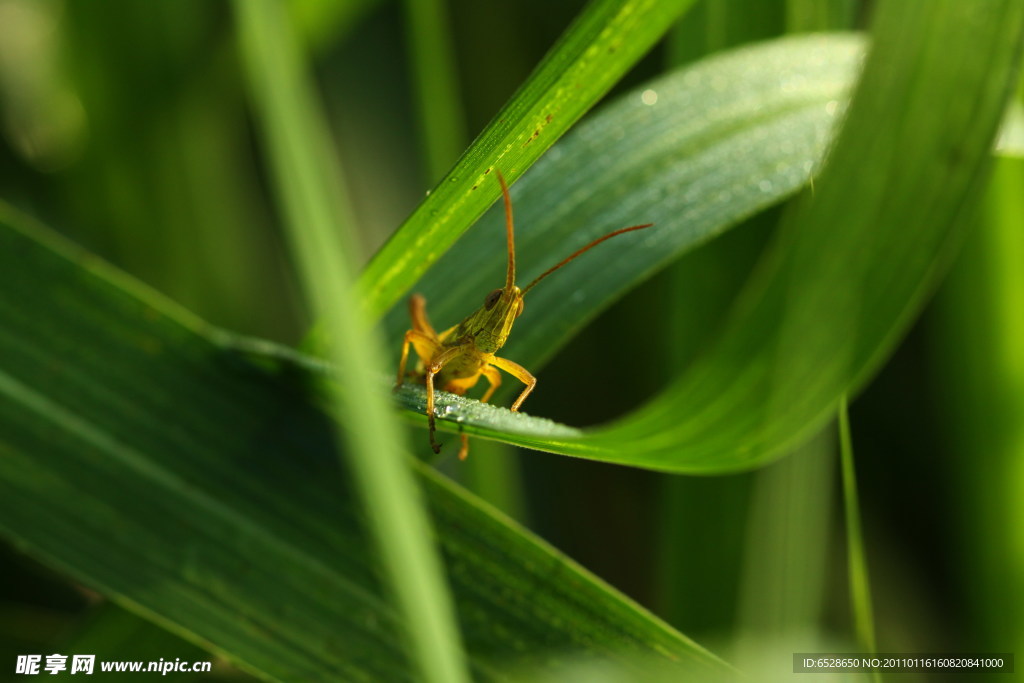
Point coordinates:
pixel 455 359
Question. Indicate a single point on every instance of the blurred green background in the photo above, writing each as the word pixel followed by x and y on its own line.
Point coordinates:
pixel 125 125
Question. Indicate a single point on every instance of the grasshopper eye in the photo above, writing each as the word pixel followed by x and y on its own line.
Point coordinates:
pixel 519 312
pixel 492 299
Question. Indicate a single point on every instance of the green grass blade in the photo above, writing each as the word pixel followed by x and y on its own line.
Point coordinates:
pixel 297 140
pixel 857 561
pixel 600 46
pixel 145 457
pixel 786 543
pixel 849 274
pixel 785 569
pixel 432 63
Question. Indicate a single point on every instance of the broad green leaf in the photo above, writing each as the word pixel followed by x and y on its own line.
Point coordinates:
pixel 851 269
pixel 604 41
pixel 113 634
pixel 856 262
pixel 146 457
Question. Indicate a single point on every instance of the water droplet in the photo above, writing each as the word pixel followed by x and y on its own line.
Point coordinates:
pixel 649 97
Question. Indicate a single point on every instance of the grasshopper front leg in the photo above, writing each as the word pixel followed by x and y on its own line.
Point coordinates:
pixel 436 364
pixel 521 374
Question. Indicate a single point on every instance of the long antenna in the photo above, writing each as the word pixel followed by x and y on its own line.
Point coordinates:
pixel 510 275
pixel 580 251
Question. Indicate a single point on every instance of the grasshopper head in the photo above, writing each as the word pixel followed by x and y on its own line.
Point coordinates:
pixel 491 323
